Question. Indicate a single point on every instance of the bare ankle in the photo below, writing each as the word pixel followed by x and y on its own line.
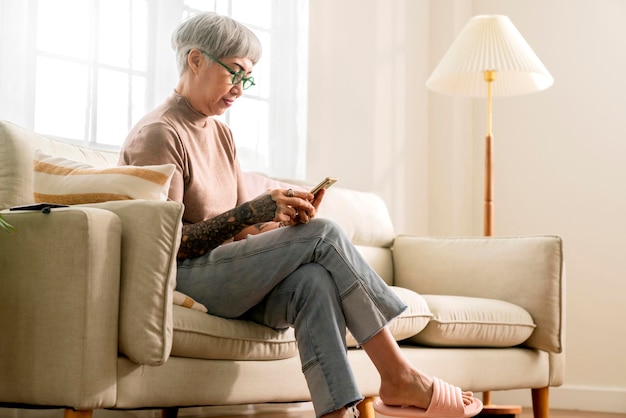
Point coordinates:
pixel 407 389
pixel 340 413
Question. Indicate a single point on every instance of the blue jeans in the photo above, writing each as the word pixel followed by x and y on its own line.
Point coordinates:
pixel 309 277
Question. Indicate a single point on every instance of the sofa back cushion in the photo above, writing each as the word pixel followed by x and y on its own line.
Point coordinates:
pixel 151 232
pixel 18 146
pixel 362 216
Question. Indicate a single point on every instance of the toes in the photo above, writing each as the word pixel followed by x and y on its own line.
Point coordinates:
pixel 468 398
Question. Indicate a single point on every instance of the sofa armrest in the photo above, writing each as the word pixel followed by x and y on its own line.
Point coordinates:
pixel 60 277
pixel 526 271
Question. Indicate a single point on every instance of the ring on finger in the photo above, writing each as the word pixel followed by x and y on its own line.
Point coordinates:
pixel 290 193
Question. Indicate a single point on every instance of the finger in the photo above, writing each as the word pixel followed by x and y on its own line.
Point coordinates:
pixel 318 198
pixel 291 193
pixel 301 204
pixel 303 216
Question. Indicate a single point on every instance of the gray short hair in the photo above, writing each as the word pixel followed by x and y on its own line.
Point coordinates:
pixel 218 35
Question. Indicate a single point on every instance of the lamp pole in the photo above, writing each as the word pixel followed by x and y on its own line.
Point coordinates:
pixel 490 76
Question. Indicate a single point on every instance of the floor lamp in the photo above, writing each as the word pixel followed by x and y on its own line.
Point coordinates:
pixel 489 58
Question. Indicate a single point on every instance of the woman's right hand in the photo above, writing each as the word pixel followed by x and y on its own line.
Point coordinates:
pixel 292 206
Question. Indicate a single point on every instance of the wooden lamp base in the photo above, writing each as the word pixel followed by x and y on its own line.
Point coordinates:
pixel 503 411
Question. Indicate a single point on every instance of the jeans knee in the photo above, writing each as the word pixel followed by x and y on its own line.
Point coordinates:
pixel 328 228
pixel 313 280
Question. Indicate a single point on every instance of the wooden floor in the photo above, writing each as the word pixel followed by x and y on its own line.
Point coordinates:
pixel 8 413
pixel 526 413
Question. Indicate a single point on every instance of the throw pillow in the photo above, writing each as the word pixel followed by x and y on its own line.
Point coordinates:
pixel 63 181
pixel 460 321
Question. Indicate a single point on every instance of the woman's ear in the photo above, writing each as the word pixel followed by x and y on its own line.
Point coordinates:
pixel 194 60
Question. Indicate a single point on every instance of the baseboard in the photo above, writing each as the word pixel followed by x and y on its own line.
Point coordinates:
pixel 572 397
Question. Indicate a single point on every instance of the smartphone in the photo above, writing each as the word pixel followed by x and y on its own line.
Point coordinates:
pixel 324 184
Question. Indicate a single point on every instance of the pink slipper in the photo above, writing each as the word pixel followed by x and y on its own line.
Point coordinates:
pixel 447 401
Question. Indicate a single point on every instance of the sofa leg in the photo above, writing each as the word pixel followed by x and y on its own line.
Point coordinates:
pixel 72 413
pixel 366 408
pixel 171 412
pixel 541 402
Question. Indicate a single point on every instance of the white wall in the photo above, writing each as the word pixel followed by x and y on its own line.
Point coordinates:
pixel 559 154
pixel 367 98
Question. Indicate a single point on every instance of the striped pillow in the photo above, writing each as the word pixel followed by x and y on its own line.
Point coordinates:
pixel 63 181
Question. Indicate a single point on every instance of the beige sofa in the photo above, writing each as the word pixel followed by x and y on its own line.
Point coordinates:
pixel 88 317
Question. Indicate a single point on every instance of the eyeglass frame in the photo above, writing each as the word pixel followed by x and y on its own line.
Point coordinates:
pixel 238 76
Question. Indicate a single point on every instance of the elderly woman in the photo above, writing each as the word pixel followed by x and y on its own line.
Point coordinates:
pixel 238 261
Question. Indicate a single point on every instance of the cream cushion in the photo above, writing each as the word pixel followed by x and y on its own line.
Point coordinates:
pixel 362 216
pixel 64 181
pixel 350 209
pixel 207 336
pixel 460 321
pixel 200 335
pixel 414 318
pixel 151 232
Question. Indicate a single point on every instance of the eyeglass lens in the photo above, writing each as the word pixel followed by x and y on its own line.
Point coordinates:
pixel 247 81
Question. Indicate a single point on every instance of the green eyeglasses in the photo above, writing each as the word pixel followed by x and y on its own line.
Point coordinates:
pixel 238 76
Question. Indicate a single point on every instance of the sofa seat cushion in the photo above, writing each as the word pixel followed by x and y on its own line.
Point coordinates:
pixel 201 335
pixel 414 318
pixel 460 321
pixel 204 336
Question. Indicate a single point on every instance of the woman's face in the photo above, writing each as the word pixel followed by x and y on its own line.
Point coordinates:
pixel 212 91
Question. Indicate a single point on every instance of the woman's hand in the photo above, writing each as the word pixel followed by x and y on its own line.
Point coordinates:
pixel 317 199
pixel 288 207
pixel 293 206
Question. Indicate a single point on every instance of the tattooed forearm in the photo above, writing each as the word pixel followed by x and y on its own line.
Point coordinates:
pixel 202 237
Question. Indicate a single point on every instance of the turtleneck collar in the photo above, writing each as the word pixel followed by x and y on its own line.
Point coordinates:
pixel 189 112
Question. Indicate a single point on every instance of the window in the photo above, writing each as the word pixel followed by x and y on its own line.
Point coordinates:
pixel 98 78
pixel 86 70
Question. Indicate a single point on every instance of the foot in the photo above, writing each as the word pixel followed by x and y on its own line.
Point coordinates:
pixel 411 388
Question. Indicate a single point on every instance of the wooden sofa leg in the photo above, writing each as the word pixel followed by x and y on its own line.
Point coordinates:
pixel 72 413
pixel 171 412
pixel 541 402
pixel 366 408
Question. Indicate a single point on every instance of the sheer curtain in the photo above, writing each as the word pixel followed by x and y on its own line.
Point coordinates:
pixel 84 71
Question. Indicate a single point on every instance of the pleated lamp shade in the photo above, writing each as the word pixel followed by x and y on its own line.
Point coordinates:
pixel 489 42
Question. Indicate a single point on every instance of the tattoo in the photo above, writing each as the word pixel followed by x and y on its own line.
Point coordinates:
pixel 202 237
pixel 262 226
